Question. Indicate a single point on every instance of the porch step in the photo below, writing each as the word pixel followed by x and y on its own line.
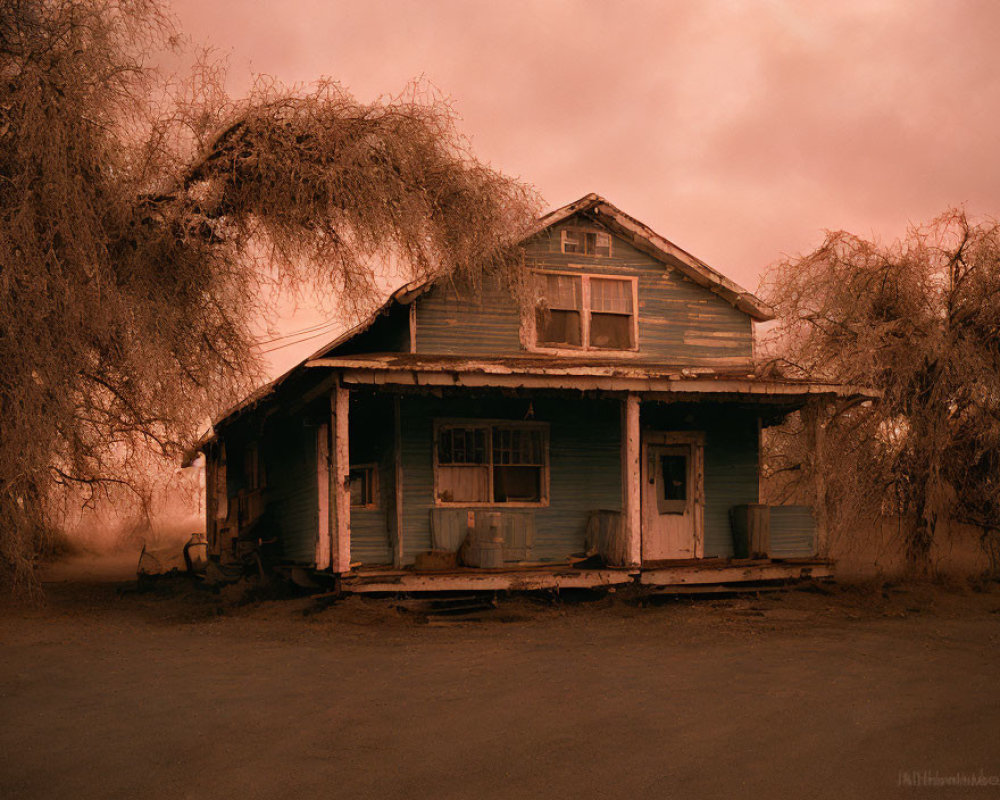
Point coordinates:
pixel 461 607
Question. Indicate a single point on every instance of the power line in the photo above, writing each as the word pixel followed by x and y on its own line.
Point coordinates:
pixel 297 341
pixel 318 326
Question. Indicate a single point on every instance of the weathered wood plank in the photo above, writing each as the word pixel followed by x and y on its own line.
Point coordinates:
pixel 480 374
pixel 413 327
pixel 631 481
pixel 489 581
pixel 323 502
pixel 687 575
pixel 396 520
pixel 340 496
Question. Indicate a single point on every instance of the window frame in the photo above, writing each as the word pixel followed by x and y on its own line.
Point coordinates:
pixel 372 468
pixel 583 232
pixel 490 425
pixel 585 316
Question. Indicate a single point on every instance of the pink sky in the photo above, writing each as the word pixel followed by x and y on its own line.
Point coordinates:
pixel 738 130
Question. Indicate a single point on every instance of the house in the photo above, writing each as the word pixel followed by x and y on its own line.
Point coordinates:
pixel 462 439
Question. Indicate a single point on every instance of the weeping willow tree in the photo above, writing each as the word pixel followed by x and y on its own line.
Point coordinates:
pixel 918 320
pixel 141 230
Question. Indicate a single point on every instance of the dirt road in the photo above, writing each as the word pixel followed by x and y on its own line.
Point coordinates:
pixel 798 695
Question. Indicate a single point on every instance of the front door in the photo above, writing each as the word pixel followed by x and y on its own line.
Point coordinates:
pixel 672 496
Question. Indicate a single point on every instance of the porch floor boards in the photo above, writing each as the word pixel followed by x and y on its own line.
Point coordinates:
pixel 687 572
pixel 734 571
pixel 469 579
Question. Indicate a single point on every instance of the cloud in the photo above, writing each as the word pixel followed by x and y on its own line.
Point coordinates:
pixel 738 130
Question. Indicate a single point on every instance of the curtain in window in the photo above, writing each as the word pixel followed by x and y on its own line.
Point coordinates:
pixel 611 314
pixel 610 296
pixel 563 292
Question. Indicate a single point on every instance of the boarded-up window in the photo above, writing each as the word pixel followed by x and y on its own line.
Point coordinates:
pixel 560 310
pixel 589 312
pixel 492 464
pixel 462 465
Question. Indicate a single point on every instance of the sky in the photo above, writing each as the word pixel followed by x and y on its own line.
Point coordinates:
pixel 738 130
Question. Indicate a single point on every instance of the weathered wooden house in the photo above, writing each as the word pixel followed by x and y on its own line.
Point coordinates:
pixel 459 440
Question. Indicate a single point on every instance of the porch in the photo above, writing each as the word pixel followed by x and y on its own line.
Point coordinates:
pixel 698 575
pixel 513 474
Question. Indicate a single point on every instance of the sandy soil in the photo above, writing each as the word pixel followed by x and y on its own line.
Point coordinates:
pixel 178 693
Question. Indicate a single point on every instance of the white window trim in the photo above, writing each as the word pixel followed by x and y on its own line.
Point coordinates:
pixel 490 424
pixel 531 326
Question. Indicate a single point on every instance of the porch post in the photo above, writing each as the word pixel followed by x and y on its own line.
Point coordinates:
pixel 340 494
pixel 812 417
pixel 211 499
pixel 631 481
pixel 396 519
pixel 323 492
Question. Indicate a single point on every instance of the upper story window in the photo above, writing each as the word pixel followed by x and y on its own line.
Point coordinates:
pixel 585 242
pixel 586 312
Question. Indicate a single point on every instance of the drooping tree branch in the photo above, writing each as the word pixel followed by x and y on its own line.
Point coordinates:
pixel 918 320
pixel 138 240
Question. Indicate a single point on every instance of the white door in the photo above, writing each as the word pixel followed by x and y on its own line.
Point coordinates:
pixel 672 496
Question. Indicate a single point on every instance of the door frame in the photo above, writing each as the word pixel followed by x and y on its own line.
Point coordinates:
pixel 696 478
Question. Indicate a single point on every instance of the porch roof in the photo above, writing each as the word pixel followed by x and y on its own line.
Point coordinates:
pixel 533 372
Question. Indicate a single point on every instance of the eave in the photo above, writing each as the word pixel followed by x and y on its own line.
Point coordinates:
pixel 645 379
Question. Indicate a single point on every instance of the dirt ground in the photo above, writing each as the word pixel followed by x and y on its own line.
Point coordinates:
pixel 180 693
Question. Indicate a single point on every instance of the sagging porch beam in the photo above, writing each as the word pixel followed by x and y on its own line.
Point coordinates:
pixel 339 481
pixel 631 481
pixel 671 387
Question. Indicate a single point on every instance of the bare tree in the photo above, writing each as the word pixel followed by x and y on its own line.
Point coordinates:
pixel 918 320
pixel 137 234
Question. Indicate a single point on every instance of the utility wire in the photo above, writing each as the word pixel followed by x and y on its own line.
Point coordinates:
pixel 291 334
pixel 297 341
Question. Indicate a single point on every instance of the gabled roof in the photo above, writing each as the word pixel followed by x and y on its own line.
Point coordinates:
pixel 644 238
pixel 636 233
pixel 404 295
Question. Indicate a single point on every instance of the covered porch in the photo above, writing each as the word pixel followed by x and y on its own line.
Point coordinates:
pixel 603 475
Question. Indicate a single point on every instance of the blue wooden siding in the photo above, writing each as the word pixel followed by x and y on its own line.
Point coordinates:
pixel 584 472
pixel 731 460
pixel 679 321
pixel 292 492
pixel 467 323
pixel 370 443
pixel 584 462
pixel 370 536
pixel 793 532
